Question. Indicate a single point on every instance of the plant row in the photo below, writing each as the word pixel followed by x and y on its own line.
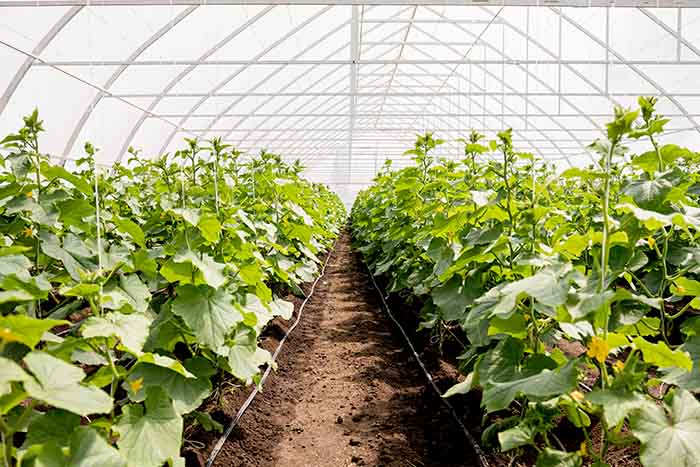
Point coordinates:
pixel 124 292
pixel 574 294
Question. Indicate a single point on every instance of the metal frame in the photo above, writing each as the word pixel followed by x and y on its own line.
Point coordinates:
pixel 383 97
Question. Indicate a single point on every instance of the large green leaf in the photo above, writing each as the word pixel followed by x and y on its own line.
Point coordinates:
pixel 554 458
pixel 194 268
pixel 152 437
pixel 669 438
pixel 58 383
pixel 132 229
pixel 51 247
pixel 662 355
pixel 29 331
pixel 208 312
pixel 453 297
pixel 680 376
pixel 245 361
pixel 131 330
pixel 546 383
pixel 127 293
pixel 547 287
pixel 186 393
pixel 616 405
pixel 57 172
pixel 51 427
pixel 648 194
pixel 10 372
pixel 89 449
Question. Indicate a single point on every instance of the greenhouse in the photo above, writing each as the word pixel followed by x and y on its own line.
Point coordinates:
pixel 355 233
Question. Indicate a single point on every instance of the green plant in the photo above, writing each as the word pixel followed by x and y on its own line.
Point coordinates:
pixel 577 293
pixel 124 293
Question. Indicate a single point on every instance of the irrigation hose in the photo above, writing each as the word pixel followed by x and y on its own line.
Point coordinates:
pixel 477 449
pixel 258 387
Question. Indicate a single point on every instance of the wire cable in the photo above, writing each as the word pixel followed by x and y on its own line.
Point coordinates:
pixel 220 444
pixel 477 449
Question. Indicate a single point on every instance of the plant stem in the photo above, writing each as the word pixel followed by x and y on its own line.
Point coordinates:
pixel 7 441
pixel 605 252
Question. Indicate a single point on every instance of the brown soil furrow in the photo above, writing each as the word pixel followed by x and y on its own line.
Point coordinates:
pixel 346 393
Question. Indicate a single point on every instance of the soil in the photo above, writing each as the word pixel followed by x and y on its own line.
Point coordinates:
pixel 346 391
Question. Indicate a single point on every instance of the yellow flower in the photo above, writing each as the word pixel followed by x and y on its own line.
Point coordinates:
pixel 577 396
pixel 598 349
pixel 6 334
pixel 651 241
pixel 583 450
pixel 136 384
pixel 28 232
pixel 30 194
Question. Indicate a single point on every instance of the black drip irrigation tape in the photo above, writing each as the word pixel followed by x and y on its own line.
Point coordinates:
pixel 220 444
pixel 477 449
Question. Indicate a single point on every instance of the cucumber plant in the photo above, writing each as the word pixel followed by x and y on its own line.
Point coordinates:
pixel 123 293
pixel 576 291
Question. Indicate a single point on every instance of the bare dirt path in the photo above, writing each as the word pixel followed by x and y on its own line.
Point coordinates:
pixel 346 393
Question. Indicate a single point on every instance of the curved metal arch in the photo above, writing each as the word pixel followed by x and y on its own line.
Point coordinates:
pixel 551 53
pixel 118 72
pixel 487 112
pixel 275 72
pixel 37 50
pixel 182 74
pixel 311 87
pixel 502 102
pixel 313 109
pixel 631 66
pixel 675 33
pixel 245 67
pixel 528 73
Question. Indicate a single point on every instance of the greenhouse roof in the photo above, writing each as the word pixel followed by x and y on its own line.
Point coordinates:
pixel 343 86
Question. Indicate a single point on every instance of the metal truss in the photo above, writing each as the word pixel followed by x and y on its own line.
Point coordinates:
pixel 363 101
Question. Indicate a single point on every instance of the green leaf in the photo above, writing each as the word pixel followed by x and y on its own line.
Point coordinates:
pixel 58 383
pixel 251 274
pixel 52 248
pixel 553 458
pixel 127 293
pixel 616 405
pixel 209 313
pixel 166 362
pixel 207 422
pixel 186 393
pixel 546 383
pixel 545 286
pixel 10 372
pixel 89 449
pixel 520 435
pixel 51 427
pixel 669 439
pixel 453 297
pixel 28 331
pixel 661 355
pixel 684 287
pixel 282 308
pixel 131 228
pixel 182 267
pixel 680 376
pixel 131 330
pixel 153 437
pixel 56 171
pixel 210 228
pixel 648 194
pixel 245 361
pixel 462 387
